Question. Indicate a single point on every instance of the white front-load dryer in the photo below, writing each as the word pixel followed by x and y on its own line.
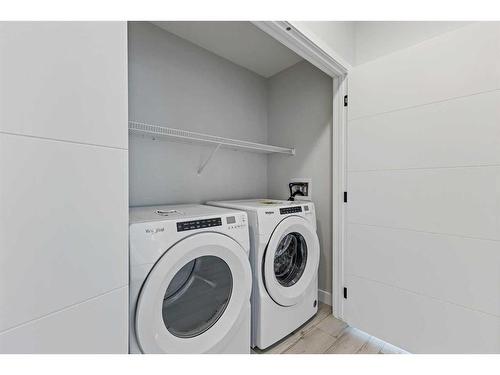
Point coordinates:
pixel 284 254
pixel 190 280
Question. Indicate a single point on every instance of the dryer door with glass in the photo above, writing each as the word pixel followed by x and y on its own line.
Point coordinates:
pixel 291 260
pixel 194 297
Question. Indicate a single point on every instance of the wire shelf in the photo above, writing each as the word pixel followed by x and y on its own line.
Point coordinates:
pixel 184 135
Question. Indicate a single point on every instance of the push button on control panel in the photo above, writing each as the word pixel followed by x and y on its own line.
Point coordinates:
pixel 236 226
pixel 199 224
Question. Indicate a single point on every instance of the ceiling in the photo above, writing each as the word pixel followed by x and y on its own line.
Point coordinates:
pixel 239 42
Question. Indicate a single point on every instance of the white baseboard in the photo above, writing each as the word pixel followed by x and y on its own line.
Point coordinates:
pixel 325 297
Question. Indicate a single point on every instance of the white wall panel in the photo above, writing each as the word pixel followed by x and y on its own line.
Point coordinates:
pixel 461 201
pixel 422 252
pixel 459 270
pixel 65 80
pixel 454 64
pixel 458 132
pixel 94 326
pixel 63 225
pixel 378 38
pixel 417 323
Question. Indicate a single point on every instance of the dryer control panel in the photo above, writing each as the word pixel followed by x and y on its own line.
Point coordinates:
pixel 199 224
pixel 290 210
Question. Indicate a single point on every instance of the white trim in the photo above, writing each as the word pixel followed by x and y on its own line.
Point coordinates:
pixel 325 297
pixel 301 42
pixel 339 185
pixel 312 49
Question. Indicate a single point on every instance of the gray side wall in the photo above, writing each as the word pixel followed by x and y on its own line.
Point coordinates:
pixel 300 114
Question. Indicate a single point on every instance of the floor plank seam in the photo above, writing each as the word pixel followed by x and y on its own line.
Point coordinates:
pixel 336 342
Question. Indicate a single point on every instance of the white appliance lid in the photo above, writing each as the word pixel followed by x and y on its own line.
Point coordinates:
pixel 174 212
pixel 255 204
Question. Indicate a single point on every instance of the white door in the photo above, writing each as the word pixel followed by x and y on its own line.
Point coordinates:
pixel 194 297
pixel 291 260
pixel 422 254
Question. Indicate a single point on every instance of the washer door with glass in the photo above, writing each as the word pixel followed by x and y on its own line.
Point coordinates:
pixel 291 260
pixel 194 297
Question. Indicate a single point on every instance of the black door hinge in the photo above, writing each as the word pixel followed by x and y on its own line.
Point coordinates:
pixel 346 101
pixel 345 292
pixel 345 196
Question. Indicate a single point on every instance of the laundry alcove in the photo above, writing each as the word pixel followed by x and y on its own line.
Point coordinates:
pixel 237 86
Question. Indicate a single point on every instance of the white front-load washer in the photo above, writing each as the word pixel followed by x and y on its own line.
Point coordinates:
pixel 190 280
pixel 284 254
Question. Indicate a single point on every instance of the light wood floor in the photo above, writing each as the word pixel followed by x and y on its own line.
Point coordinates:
pixel 325 334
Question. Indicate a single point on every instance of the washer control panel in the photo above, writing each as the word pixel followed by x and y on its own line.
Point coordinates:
pixel 290 210
pixel 199 224
pixel 236 222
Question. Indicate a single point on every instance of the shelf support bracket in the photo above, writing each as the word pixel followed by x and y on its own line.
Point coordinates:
pixel 204 164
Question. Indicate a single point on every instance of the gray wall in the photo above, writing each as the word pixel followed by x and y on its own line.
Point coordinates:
pixel 300 114
pixel 180 85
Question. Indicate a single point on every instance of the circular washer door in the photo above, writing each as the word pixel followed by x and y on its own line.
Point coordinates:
pixel 194 296
pixel 291 260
